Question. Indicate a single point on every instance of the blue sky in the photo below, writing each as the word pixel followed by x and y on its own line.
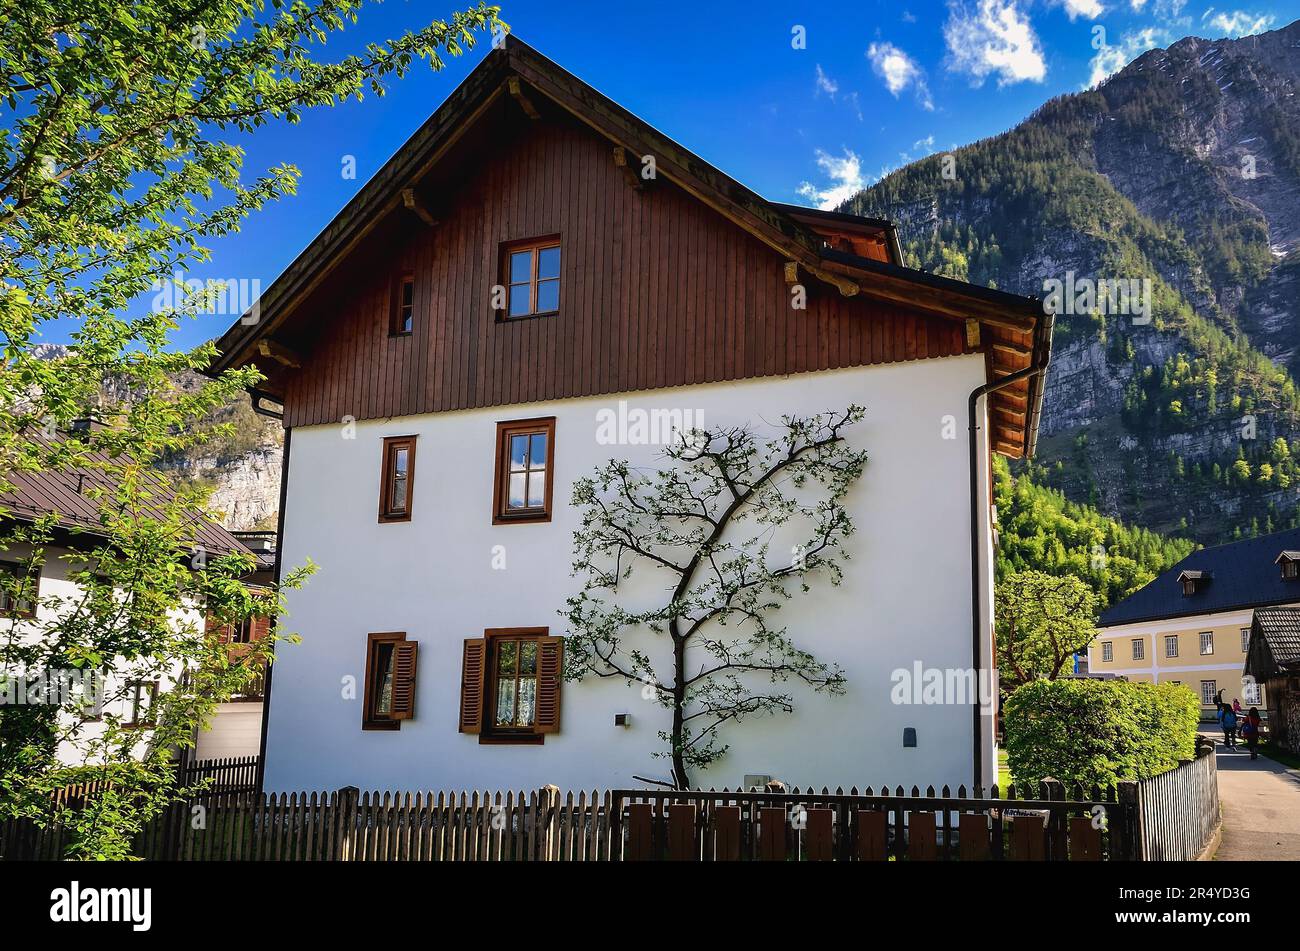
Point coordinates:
pixel 873 84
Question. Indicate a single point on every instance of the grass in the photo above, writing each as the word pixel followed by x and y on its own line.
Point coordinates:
pixel 1004 771
pixel 1285 757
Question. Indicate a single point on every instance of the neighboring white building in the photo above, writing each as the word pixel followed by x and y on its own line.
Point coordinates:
pixel 53 591
pixel 511 277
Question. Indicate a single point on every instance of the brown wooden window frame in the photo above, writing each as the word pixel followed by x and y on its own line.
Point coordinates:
pixel 371 719
pixel 536 246
pixel 501 513
pixel 10 607
pixel 400 312
pixel 483 720
pixel 135 723
pixel 1290 569
pixel 388 472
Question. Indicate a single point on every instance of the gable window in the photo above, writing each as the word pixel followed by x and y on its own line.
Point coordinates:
pixel 1171 645
pixel 1245 640
pixel 19 592
pixel 1107 651
pixel 531 277
pixel 1139 648
pixel 1208 689
pixel 510 685
pixel 398 477
pixel 524 471
pixel 401 305
pixel 143 694
pixel 242 633
pixel 390 681
pixel 1207 642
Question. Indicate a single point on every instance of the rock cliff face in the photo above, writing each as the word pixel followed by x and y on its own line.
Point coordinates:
pixel 242 470
pixel 1181 171
pixel 246 487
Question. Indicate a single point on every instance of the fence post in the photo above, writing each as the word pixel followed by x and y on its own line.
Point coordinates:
pixel 1056 825
pixel 548 803
pixel 346 843
pixel 1130 798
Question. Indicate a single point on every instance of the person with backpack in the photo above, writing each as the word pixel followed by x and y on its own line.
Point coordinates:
pixel 1228 720
pixel 1250 732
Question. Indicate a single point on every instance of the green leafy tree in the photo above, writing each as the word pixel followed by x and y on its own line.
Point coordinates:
pixel 117 164
pixel 1042 622
pixel 708 521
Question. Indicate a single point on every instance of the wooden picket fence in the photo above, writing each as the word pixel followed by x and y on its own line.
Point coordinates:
pixel 627 825
pixel 1170 816
pixel 1037 823
pixel 231 776
pixel 1179 810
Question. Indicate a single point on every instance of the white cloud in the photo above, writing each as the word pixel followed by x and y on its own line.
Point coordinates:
pixel 899 71
pixel 1084 8
pixel 993 37
pixel 825 84
pixel 845 173
pixel 1238 22
pixel 1137 5
pixel 856 103
pixel 1113 57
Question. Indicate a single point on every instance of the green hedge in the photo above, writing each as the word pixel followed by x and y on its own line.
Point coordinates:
pixel 1098 731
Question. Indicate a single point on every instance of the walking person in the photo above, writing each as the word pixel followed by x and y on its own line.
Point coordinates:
pixel 1250 731
pixel 1236 706
pixel 1228 720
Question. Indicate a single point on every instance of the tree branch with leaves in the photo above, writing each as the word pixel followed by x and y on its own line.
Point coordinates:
pixel 706 523
pixel 1042 622
pixel 119 161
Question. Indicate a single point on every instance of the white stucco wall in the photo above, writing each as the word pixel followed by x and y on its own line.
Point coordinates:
pixel 905 597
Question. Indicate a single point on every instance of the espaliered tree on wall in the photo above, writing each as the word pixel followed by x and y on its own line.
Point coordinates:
pixel 708 522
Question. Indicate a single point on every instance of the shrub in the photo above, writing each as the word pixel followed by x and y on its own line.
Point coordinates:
pixel 1098 731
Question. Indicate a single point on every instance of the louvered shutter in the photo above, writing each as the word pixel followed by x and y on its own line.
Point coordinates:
pixel 550 666
pixel 403 699
pixel 472 674
pixel 260 628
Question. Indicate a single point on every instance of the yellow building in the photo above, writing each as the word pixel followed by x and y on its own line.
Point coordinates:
pixel 1192 624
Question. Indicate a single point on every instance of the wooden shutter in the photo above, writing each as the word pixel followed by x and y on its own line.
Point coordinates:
pixel 261 626
pixel 472 676
pixel 403 699
pixel 550 667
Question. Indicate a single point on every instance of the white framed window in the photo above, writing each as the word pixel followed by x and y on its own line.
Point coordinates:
pixel 1171 645
pixel 1207 642
pixel 1139 649
pixel 1107 651
pixel 1250 695
pixel 1208 689
pixel 1245 640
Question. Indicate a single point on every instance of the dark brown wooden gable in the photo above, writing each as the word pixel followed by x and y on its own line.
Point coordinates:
pixel 657 290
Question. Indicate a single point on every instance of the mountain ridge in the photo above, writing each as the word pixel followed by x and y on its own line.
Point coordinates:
pixel 1182 171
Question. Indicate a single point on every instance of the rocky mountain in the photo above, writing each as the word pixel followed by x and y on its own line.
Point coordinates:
pixel 241 470
pixel 1172 399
